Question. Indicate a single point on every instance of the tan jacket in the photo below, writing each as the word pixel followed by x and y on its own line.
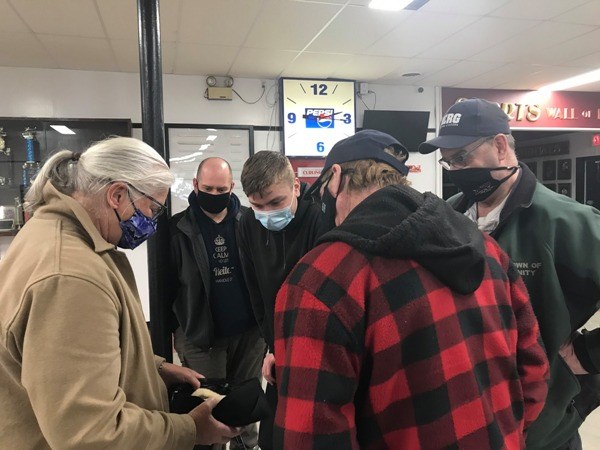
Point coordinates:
pixel 76 364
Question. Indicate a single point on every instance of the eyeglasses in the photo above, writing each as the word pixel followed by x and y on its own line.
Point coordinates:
pixel 459 160
pixel 157 207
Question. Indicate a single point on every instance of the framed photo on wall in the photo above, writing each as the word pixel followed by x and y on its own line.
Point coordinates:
pixel 564 189
pixel 549 170
pixel 532 166
pixel 563 171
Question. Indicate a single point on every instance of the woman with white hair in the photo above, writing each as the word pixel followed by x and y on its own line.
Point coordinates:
pixel 76 364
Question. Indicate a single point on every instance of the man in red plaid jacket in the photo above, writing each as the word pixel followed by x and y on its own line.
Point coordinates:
pixel 406 328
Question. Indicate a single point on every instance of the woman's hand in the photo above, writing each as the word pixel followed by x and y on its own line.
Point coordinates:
pixel 173 374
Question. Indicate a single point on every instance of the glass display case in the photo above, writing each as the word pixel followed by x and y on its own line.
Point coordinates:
pixel 25 143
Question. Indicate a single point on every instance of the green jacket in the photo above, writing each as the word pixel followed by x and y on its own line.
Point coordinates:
pixel 554 241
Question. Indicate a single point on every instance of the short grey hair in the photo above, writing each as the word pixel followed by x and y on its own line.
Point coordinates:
pixel 511 140
pixel 115 159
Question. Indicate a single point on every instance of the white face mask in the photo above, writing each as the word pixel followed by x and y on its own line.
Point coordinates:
pixel 275 220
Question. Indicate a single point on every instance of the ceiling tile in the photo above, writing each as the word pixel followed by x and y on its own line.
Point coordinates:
pixel 121 21
pixel 119 18
pixel 217 23
pixel 535 9
pixel 24 50
pixel 588 13
pixel 356 28
pixel 477 37
pixel 575 51
pixel 128 57
pixel 10 22
pixel 425 67
pixel 261 63
pixel 545 75
pixel 474 7
pixel 199 59
pixel 458 73
pixel 80 53
pixel 289 25
pixel 468 43
pixel 65 17
pixel 499 75
pixel 421 31
pixel 315 65
pixel 338 2
pixel 170 19
pixel 367 68
pixel 591 61
pixel 543 42
pixel 592 87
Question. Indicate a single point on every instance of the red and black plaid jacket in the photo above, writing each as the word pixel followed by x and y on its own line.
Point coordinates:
pixel 377 353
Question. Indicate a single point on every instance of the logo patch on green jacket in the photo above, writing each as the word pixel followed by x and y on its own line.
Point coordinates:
pixel 527 269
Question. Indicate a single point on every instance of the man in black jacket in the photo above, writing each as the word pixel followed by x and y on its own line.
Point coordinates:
pixel 217 335
pixel 281 227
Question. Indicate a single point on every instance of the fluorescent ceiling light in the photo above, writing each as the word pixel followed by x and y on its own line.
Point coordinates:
pixel 204 146
pixel 579 80
pixel 212 137
pixel 389 5
pixel 62 129
pixel 186 157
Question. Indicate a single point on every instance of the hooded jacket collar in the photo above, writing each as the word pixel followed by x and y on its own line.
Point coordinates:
pixel 399 222
pixel 61 206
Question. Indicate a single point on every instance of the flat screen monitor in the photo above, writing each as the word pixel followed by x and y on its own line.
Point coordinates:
pixel 409 127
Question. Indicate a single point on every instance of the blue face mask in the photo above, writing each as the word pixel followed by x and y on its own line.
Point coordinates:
pixel 275 220
pixel 137 229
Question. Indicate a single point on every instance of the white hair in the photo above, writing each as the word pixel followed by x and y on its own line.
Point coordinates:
pixel 115 159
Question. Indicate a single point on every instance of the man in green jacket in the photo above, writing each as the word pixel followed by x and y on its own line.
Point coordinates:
pixel 553 240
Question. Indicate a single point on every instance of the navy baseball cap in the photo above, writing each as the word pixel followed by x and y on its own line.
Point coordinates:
pixel 366 144
pixel 467 121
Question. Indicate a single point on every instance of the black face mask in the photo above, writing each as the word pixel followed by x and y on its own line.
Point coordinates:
pixel 477 183
pixel 213 203
pixel 328 209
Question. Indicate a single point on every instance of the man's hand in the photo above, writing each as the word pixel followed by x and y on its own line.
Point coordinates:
pixel 268 367
pixel 173 374
pixel 208 430
pixel 568 354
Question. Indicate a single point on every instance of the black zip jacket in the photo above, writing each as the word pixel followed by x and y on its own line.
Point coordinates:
pixel 188 276
pixel 269 256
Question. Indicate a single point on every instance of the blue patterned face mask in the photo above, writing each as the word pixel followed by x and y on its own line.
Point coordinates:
pixel 275 220
pixel 137 229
